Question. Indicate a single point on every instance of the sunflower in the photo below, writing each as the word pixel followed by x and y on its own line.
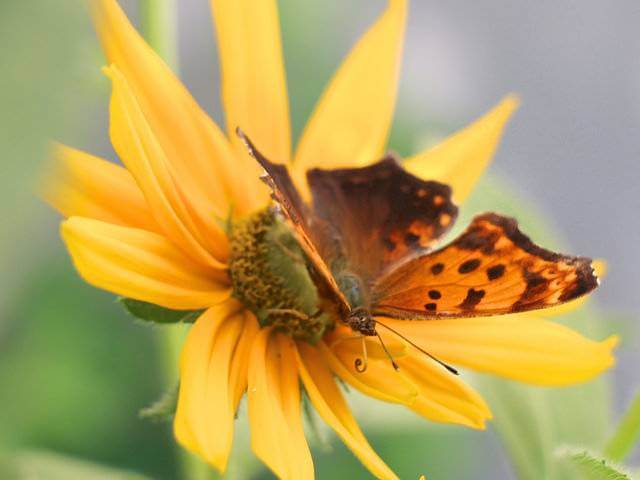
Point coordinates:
pixel 163 229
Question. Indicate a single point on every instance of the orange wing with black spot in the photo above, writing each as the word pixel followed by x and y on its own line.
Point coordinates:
pixel 491 269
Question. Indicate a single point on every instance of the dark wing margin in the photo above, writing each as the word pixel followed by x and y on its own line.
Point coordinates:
pixel 491 269
pixel 383 213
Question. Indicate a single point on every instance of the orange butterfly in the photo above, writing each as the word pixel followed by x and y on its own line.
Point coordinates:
pixel 369 234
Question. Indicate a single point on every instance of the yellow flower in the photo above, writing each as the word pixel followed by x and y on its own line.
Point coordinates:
pixel 155 231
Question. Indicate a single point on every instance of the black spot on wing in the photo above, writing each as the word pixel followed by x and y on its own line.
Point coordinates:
pixel 411 239
pixel 437 268
pixel 469 266
pixel 495 272
pixel 472 299
pixel 389 244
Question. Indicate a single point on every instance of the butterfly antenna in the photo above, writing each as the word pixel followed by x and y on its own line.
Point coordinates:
pixel 435 359
pixel 386 350
pixel 359 364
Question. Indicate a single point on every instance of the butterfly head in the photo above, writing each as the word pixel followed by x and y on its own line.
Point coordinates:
pixel 360 320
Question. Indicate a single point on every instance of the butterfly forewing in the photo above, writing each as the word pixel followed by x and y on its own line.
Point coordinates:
pixel 380 213
pixel 492 268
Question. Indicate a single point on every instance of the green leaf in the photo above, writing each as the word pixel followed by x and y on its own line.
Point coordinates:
pixel 52 466
pixel 150 312
pixel 162 409
pixel 627 433
pixel 592 466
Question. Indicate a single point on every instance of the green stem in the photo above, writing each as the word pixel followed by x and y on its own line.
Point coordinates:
pixel 159 28
pixel 626 435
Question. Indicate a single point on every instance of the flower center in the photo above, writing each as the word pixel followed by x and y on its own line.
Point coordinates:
pixel 270 277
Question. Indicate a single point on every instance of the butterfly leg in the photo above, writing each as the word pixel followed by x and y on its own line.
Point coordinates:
pixel 290 311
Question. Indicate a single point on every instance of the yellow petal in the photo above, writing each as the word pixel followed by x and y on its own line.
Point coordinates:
pixel 239 369
pixel 331 406
pixel 444 397
pixel 206 405
pixel 350 124
pixel 140 264
pixel 343 339
pixel 523 347
pixel 462 158
pixel 80 184
pixel 203 160
pixel 254 90
pixel 379 380
pixel 185 219
pixel 277 437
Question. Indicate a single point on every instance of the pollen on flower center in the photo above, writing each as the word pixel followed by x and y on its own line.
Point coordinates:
pixel 269 273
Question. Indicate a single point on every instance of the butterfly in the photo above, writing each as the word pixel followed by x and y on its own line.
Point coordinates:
pixel 370 235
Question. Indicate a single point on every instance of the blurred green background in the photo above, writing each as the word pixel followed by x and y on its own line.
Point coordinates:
pixel 75 369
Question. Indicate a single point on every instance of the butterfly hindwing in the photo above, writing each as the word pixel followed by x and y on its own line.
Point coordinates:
pixel 294 210
pixel 382 213
pixel 492 268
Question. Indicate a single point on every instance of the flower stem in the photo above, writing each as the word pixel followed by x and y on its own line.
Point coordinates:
pixel 158 21
pixel 626 435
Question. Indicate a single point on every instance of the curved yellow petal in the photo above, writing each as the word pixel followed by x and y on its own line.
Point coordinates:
pixel 379 380
pixel 206 404
pixel 331 406
pixel 523 347
pixel 254 90
pixel 277 436
pixel 203 160
pixel 80 184
pixel 142 265
pixel 462 158
pixel 350 124
pixel 240 367
pixel 343 339
pixel 443 397
pixel 185 219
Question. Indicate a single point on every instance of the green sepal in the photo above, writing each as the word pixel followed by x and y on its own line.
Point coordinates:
pixel 164 408
pixel 592 466
pixel 226 224
pixel 150 312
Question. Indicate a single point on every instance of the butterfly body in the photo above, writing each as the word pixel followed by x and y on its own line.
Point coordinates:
pixel 369 235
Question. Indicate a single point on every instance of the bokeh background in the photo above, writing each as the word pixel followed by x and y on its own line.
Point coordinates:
pixel 75 370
